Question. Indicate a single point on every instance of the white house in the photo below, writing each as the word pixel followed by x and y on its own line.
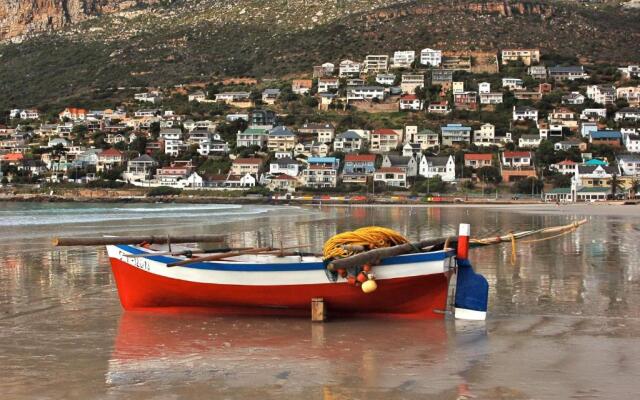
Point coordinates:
pixel 441 107
pixel 444 167
pixel 410 82
pixel 593 114
pixel 629 164
pixel 172 141
pixel 403 59
pixel 602 94
pixel 529 141
pixel 491 98
pixel 365 93
pixel 524 113
pixel 376 63
pixel 512 83
pixel 349 69
pixel 391 176
pixel 431 57
pixel 348 142
pixel 517 159
pixel 287 166
pixel 410 102
pixel 484 87
pixel 29 114
pixel 573 98
pixel 628 113
pixel 327 84
pixel 385 79
pixel 198 96
pixel 632 142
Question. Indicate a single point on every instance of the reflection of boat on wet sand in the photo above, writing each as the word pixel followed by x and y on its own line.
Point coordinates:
pixel 254 352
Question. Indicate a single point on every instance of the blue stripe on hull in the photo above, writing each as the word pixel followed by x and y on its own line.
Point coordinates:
pixel 304 266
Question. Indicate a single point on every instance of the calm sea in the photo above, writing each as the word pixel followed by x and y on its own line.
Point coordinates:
pixel 564 318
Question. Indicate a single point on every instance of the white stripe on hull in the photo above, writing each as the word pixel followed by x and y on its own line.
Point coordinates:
pixel 272 278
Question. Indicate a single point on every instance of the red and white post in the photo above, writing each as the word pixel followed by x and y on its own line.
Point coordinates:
pixel 463 241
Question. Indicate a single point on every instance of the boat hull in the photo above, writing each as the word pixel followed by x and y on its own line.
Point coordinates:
pixel 223 289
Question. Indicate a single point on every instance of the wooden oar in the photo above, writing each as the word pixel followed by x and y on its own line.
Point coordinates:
pixel 217 257
pixel 374 256
pixel 192 252
pixel 115 240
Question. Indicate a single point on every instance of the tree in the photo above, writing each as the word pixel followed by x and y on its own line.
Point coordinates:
pixel 489 174
pixel 530 185
pixel 616 185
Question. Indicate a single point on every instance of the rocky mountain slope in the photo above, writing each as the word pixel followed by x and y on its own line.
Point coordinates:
pixel 103 44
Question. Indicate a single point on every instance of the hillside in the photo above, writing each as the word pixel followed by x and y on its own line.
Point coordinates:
pixel 180 41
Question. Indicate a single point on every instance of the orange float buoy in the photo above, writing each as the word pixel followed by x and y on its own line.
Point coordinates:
pixel 362 277
pixel 366 268
pixel 369 286
pixel 342 272
pixel 351 280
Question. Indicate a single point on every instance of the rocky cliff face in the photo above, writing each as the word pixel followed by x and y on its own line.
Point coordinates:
pixel 24 17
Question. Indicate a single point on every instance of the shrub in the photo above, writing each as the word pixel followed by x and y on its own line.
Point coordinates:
pixel 163 191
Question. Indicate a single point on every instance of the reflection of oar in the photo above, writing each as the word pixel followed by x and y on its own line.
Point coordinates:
pixel 115 240
pixel 216 257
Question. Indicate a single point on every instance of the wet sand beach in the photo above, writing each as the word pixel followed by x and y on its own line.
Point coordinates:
pixel 564 321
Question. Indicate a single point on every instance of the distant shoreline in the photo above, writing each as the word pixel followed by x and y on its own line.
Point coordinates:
pixel 378 201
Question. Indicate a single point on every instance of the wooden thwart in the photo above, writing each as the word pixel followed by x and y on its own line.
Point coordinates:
pixel 115 240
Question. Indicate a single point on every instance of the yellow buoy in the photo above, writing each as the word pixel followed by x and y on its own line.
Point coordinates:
pixel 369 286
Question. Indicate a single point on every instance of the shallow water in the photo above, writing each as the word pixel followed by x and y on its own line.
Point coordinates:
pixel 564 319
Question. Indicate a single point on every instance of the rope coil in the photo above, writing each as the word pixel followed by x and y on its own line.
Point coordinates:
pixel 371 237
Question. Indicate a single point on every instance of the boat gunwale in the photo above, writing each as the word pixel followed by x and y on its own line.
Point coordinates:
pixel 428 256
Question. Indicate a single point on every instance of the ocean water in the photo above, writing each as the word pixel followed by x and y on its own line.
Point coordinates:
pixel 564 318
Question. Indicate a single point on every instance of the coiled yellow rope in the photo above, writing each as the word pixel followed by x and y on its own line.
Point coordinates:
pixel 367 238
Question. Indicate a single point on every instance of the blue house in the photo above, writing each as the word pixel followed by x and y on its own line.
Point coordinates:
pixel 325 162
pixel 611 138
pixel 359 164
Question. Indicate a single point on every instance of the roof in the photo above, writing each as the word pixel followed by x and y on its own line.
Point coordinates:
pixel 271 91
pixel 13 157
pixel 606 135
pixel 478 156
pixel 629 158
pixel 322 160
pixel 349 135
pixel 255 131
pixel 455 127
pixel 398 160
pixel 437 160
pixel 281 131
pixel 588 169
pixel 511 154
pixel 285 177
pixel 391 169
pixel 360 158
pixel 520 109
pixel 285 161
pixel 110 153
pixel 408 97
pixel 596 162
pixel 144 158
pixel 567 162
pixel 629 110
pixel 385 131
pixel 569 69
pixel 253 161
